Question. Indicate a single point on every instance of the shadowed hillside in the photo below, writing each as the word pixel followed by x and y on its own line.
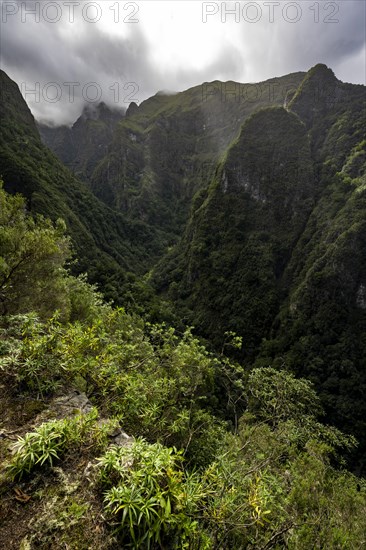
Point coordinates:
pixel 275 246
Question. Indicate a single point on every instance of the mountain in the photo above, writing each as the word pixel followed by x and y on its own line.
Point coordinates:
pixel 275 245
pixel 239 209
pixel 166 149
pixel 108 245
pixel 229 267
pixel 242 204
pixel 82 146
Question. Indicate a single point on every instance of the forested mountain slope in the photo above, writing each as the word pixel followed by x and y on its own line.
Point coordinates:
pixel 82 146
pixel 108 245
pixel 215 456
pixel 166 149
pixel 275 248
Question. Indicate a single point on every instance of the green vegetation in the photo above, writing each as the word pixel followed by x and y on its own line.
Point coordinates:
pixel 33 253
pixel 275 246
pixel 50 440
pixel 165 150
pixel 258 203
pixel 244 428
pixel 149 496
pixel 111 248
pixel 193 477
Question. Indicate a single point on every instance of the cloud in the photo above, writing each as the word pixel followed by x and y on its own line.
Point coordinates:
pixel 46 59
pixel 169 48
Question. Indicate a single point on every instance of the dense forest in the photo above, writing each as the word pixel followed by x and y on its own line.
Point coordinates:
pixel 183 320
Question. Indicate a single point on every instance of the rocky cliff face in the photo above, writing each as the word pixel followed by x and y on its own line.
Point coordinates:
pixel 166 149
pixel 241 234
pixel 319 93
pixel 83 145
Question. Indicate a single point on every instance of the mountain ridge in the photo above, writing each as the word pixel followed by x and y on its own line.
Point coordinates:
pixel 162 152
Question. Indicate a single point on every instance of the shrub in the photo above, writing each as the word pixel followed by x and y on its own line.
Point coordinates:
pixel 150 499
pixel 48 443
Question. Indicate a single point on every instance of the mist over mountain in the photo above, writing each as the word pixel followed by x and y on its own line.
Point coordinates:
pixel 84 144
pixel 165 150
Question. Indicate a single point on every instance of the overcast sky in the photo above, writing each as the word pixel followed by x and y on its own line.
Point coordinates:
pixel 65 53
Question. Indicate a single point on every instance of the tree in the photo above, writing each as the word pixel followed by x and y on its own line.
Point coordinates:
pixel 33 252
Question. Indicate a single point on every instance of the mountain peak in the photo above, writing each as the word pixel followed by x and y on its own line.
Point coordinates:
pixel 132 109
pixel 317 94
pixel 321 70
pixel 101 111
pixel 13 108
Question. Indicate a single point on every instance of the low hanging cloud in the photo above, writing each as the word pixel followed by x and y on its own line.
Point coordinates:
pixel 65 54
